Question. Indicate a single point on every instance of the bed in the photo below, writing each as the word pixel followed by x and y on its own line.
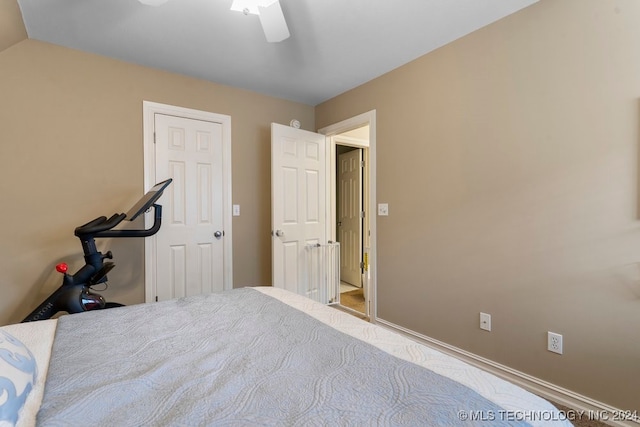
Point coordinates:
pixel 250 356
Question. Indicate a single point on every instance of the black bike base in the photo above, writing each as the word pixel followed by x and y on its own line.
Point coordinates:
pixel 113 305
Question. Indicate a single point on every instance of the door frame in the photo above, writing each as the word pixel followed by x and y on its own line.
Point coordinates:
pixel 331 132
pixel 150 109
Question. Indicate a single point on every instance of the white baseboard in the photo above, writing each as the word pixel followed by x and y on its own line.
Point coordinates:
pixel 535 385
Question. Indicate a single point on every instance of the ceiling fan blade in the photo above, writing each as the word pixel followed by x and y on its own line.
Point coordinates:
pixel 273 22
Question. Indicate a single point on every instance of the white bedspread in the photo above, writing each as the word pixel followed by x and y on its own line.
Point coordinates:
pixel 38 337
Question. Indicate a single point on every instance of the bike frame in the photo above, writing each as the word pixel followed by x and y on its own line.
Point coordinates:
pixel 74 294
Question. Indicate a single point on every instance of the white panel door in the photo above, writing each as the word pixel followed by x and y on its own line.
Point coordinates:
pixel 189 246
pixel 298 203
pixel 350 216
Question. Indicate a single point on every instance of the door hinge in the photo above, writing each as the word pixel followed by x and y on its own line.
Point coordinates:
pixel 154 137
pixel 362 163
pixel 362 214
pixel 361 265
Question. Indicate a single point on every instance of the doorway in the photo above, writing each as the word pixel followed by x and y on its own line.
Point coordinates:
pixel 356 135
pixel 350 216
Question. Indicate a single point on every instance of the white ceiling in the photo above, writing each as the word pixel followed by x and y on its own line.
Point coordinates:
pixel 335 45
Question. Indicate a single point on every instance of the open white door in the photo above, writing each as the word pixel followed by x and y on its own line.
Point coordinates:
pixel 298 200
pixel 335 134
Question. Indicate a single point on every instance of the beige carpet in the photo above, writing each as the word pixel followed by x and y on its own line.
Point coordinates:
pixel 353 300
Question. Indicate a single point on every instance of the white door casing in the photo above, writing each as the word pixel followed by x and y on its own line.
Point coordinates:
pixel 370 232
pixel 191 253
pixel 298 200
pixel 350 216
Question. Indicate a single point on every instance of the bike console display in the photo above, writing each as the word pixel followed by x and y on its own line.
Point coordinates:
pixel 147 200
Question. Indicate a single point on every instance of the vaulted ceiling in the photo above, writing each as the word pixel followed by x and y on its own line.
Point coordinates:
pixel 335 45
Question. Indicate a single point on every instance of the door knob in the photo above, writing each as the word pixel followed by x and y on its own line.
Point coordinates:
pixel 218 234
pixel 279 233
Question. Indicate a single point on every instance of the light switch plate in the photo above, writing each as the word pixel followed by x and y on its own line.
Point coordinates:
pixel 236 210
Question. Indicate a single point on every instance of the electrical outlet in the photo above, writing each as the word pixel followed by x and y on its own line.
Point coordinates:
pixel 383 209
pixel 485 321
pixel 554 342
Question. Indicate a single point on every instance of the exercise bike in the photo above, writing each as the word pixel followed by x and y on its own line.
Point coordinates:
pixel 75 295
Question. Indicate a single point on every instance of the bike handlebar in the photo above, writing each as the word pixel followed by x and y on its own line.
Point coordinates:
pixel 102 227
pixel 157 221
pixel 99 224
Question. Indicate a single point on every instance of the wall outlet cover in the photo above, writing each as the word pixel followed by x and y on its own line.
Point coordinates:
pixel 554 342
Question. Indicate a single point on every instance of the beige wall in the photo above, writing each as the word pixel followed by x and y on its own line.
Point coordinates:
pixel 509 160
pixel 71 150
pixel 12 28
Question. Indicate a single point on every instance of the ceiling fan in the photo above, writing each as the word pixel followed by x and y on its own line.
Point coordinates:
pixel 269 11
